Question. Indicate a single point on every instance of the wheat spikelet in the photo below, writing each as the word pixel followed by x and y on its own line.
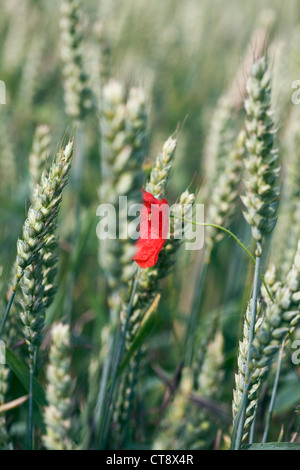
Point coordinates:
pixel 32 306
pixel 288 229
pixel 261 195
pixel 104 59
pixel 44 210
pixel 280 319
pixel 32 69
pixel 240 376
pixel 57 414
pixel 78 98
pixel 161 170
pixel 224 194
pixel 220 139
pixel 123 125
pixel 39 155
pixel 7 158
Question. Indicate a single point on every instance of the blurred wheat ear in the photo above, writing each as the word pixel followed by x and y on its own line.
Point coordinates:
pixel 58 413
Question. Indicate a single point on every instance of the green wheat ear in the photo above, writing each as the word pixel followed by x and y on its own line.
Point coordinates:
pixel 58 413
pixel 220 139
pixel 240 376
pixel 38 156
pixel 104 55
pixel 123 126
pixel 37 282
pixel 224 193
pixel 78 96
pixel 260 201
pixel 35 258
pixel 161 169
pixel 288 230
pixel 261 161
pixel 43 212
pixel 279 319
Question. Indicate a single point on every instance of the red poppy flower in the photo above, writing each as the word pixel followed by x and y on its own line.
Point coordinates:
pixel 154 228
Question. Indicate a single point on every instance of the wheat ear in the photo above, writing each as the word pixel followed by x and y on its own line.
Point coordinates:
pixel 59 390
pixel 41 217
pixel 279 320
pixel 38 157
pixel 261 194
pixel 78 97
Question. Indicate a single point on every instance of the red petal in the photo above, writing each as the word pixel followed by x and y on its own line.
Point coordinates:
pixel 148 251
pixel 151 242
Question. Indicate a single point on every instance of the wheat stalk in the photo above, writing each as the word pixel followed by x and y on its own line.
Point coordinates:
pixel 261 196
pixel 148 287
pixel 123 127
pixel 280 319
pixel 41 217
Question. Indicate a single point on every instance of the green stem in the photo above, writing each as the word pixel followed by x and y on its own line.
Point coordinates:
pixel 103 385
pixel 204 224
pixel 124 435
pixel 274 392
pixel 32 360
pixel 238 428
pixel 10 302
pixel 132 389
pixel 252 429
pixel 117 363
pixel 240 421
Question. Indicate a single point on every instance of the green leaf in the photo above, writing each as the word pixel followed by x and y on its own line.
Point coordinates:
pixel 22 373
pixel 143 332
pixel 88 220
pixel 273 446
pixel 288 395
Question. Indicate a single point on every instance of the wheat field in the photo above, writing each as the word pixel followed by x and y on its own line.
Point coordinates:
pixel 170 343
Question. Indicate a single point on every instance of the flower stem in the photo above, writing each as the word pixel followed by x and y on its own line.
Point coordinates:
pixel 274 392
pixel 116 365
pixel 204 224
